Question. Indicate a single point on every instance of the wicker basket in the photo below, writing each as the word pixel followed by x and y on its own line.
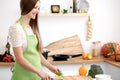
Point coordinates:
pixel 115 57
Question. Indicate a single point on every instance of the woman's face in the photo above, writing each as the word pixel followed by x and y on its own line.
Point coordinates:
pixel 32 14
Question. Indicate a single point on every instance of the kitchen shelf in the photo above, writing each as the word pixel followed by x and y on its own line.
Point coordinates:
pixel 77 60
pixel 67 14
pixel 6 63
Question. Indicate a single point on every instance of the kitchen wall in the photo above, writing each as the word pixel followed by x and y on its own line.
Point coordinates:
pixel 105 22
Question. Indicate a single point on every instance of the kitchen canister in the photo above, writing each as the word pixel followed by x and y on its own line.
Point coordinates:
pixel 95 50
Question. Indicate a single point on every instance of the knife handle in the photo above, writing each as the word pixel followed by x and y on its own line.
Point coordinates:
pixel 76 55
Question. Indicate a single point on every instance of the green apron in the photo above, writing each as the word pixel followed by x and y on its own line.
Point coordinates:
pixel 32 55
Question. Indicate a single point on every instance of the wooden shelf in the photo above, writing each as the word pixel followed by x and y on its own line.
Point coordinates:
pixel 77 60
pixel 6 63
pixel 67 14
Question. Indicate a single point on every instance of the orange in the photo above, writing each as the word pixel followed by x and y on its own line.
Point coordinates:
pixel 84 56
pixel 83 70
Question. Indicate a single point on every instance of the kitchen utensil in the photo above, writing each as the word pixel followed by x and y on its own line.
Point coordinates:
pixel 76 55
pixel 45 53
pixel 55 79
pixel 63 57
pixel 60 57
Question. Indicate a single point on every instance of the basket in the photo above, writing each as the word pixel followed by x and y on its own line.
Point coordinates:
pixel 115 57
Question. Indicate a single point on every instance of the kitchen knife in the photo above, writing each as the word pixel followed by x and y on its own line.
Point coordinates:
pixel 55 79
pixel 76 55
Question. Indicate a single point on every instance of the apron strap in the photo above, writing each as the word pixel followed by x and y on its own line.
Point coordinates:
pixel 22 23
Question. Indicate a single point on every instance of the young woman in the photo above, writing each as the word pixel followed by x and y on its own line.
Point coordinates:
pixel 27 44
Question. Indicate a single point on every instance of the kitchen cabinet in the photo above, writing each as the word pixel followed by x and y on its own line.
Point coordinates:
pixel 113 71
pixel 5 72
pixel 70 67
pixel 67 69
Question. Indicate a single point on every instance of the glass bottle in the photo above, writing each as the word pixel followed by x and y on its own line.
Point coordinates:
pixel 7 48
pixel 74 6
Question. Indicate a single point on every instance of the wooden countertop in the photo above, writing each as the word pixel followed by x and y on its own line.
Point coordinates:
pixel 77 60
pixel 77 78
pixel 74 61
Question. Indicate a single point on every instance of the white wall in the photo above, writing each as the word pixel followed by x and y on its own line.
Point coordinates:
pixel 9 13
pixel 105 22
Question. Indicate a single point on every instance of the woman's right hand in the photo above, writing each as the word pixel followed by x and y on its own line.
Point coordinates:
pixel 44 76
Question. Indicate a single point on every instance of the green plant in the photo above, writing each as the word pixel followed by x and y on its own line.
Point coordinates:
pixel 95 69
pixel 65 11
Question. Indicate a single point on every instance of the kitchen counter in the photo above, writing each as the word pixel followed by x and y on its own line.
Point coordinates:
pixel 80 60
pixel 77 78
pixel 77 60
pixel 74 61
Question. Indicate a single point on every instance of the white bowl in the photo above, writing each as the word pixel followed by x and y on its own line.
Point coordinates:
pixel 103 77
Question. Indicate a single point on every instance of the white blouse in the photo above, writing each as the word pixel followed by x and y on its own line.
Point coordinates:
pixel 17 35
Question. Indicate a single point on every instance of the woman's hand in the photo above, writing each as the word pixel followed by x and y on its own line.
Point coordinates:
pixel 44 76
pixel 54 69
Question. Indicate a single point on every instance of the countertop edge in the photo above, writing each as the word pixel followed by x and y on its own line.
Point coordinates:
pixel 6 63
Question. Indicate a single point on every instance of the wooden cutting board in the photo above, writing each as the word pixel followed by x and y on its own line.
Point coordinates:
pixel 69 46
pixel 77 78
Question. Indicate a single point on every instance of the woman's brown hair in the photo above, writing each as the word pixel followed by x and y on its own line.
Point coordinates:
pixel 26 6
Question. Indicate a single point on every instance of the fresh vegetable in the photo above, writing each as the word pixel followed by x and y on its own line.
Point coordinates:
pixel 87 56
pixel 7 58
pixel 59 76
pixel 95 69
pixel 112 48
pixel 83 70
pixel 60 73
pixel 109 49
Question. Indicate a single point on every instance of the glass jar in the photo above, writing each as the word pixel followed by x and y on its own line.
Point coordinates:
pixel 95 50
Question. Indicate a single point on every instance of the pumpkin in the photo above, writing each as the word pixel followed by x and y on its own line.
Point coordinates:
pixel 83 70
pixel 110 49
